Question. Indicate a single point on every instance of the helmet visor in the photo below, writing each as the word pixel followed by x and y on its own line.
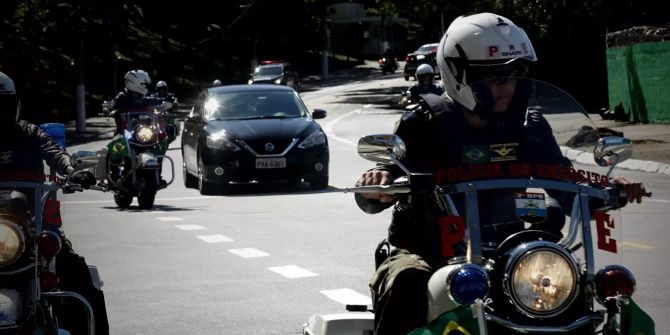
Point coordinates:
pixel 476 73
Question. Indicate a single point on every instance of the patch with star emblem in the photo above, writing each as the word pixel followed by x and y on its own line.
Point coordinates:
pixel 475 154
pixel 504 152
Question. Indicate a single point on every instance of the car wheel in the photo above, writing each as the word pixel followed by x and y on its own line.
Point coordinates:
pixel 205 187
pixel 319 183
pixel 190 181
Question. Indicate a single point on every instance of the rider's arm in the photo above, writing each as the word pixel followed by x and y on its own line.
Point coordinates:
pixel 52 153
pixel 411 128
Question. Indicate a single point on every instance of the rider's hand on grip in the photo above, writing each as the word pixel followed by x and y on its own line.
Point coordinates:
pixel 85 178
pixel 377 177
pixel 630 190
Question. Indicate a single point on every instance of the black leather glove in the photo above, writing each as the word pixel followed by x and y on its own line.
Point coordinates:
pixel 84 178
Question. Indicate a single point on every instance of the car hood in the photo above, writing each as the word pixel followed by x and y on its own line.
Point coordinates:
pixel 263 128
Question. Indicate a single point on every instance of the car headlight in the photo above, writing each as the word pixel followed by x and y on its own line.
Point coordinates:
pixel 145 135
pixel 220 142
pixel 314 139
pixel 250 81
pixel 12 242
pixel 543 279
pixel 278 81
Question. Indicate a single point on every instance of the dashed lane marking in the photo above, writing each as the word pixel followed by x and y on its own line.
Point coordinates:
pixel 169 218
pixel 248 252
pixel 216 238
pixel 190 227
pixel 638 245
pixel 346 296
pixel 157 200
pixel 292 271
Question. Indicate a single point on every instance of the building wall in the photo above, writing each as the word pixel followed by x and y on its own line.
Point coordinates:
pixel 638 78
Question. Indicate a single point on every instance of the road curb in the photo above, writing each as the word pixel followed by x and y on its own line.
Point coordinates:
pixel 584 157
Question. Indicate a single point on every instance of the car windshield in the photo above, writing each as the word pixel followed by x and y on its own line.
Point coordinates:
pixel 254 105
pixel 426 48
pixel 271 70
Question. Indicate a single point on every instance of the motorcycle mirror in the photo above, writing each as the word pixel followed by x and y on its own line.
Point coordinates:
pixel 611 150
pixel 381 148
pixel 84 159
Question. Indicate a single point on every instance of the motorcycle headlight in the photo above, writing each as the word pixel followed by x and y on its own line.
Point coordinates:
pixel 250 81
pixel 542 278
pixel 278 81
pixel 220 142
pixel 12 242
pixel 314 139
pixel 145 135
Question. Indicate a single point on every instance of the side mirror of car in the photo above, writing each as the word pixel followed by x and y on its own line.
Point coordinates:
pixel 319 114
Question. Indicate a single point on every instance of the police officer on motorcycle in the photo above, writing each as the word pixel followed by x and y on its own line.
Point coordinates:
pixel 489 113
pixel 23 148
pixel 163 93
pixel 425 83
pixel 134 95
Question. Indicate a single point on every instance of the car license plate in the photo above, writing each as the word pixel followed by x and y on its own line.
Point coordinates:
pixel 270 163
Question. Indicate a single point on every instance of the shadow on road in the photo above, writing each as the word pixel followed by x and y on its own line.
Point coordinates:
pixel 266 189
pixel 156 208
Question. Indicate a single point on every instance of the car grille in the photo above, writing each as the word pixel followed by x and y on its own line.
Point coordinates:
pixel 260 147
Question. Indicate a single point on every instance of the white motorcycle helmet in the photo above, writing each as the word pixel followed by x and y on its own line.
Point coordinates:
pixel 9 102
pixel 481 46
pixel 138 81
pixel 424 69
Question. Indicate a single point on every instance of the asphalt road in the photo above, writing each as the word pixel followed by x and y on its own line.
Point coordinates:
pixel 263 259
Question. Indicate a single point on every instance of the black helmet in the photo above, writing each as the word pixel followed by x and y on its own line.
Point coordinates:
pixel 9 102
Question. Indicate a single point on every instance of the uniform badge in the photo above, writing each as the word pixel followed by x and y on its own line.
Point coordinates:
pixel 475 154
pixel 531 207
pixel 504 152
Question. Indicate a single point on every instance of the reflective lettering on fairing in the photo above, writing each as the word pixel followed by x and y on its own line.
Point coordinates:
pixel 452 229
pixel 604 224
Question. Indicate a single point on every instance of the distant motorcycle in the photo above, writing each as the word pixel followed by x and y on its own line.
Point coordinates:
pixel 133 159
pixel 388 64
pixel 29 243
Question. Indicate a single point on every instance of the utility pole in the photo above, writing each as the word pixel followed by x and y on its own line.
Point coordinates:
pixel 326 44
pixel 80 95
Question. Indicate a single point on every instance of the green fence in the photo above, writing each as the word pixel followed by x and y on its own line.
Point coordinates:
pixel 638 77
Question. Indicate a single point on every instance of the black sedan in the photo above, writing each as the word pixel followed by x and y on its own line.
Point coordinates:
pixel 425 54
pixel 244 133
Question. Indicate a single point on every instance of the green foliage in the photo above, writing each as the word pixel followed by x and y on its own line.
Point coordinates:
pixel 189 45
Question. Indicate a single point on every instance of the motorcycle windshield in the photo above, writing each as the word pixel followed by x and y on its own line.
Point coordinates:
pixel 130 120
pixel 528 176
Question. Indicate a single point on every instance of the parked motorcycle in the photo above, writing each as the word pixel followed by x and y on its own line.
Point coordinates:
pixel 532 282
pixel 133 159
pixel 388 64
pixel 29 243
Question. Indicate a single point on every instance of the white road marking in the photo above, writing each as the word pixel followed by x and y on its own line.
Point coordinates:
pixel 157 200
pixel 292 271
pixel 347 296
pixel 169 218
pixel 368 106
pixel 248 252
pixel 642 246
pixel 190 227
pixel 657 200
pixel 329 128
pixel 216 238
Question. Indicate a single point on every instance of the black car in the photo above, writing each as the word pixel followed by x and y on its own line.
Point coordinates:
pixel 275 72
pixel 244 133
pixel 425 54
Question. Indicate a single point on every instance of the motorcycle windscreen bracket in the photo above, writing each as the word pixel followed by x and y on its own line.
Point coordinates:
pixel 530 207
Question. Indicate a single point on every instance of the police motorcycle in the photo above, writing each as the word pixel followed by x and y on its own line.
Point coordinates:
pixel 532 282
pixel 30 298
pixel 133 159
